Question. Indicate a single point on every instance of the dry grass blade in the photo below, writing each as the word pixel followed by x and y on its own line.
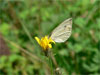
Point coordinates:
pixel 28 53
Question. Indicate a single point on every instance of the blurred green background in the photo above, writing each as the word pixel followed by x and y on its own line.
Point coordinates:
pixel 22 20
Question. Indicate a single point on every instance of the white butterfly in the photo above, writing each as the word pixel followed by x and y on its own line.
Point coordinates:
pixel 63 31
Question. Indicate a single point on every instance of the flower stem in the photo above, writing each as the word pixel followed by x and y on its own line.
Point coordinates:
pixel 57 69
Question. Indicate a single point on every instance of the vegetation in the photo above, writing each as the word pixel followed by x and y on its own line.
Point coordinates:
pixel 22 20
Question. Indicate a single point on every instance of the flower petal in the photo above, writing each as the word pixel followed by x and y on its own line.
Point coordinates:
pixel 45 42
pixel 49 45
pixel 37 39
pixel 50 40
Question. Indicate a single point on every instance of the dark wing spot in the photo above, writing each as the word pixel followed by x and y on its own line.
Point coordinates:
pixel 64 26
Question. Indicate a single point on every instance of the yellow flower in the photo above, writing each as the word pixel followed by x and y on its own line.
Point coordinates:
pixel 45 42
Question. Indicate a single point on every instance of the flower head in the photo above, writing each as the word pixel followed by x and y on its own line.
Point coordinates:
pixel 45 42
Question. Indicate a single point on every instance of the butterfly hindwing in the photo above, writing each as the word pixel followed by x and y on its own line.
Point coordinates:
pixel 63 31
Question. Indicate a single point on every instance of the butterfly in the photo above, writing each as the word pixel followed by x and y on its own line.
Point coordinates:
pixel 62 32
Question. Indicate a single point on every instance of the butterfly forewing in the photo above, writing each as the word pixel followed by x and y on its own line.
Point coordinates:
pixel 63 31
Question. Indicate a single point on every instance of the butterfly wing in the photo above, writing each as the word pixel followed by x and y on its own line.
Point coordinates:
pixel 63 31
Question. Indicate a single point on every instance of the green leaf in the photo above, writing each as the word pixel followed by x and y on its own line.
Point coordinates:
pixel 80 22
pixel 63 52
pixel 4 28
pixel 78 48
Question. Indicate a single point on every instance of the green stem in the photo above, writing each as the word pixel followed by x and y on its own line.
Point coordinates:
pixel 27 32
